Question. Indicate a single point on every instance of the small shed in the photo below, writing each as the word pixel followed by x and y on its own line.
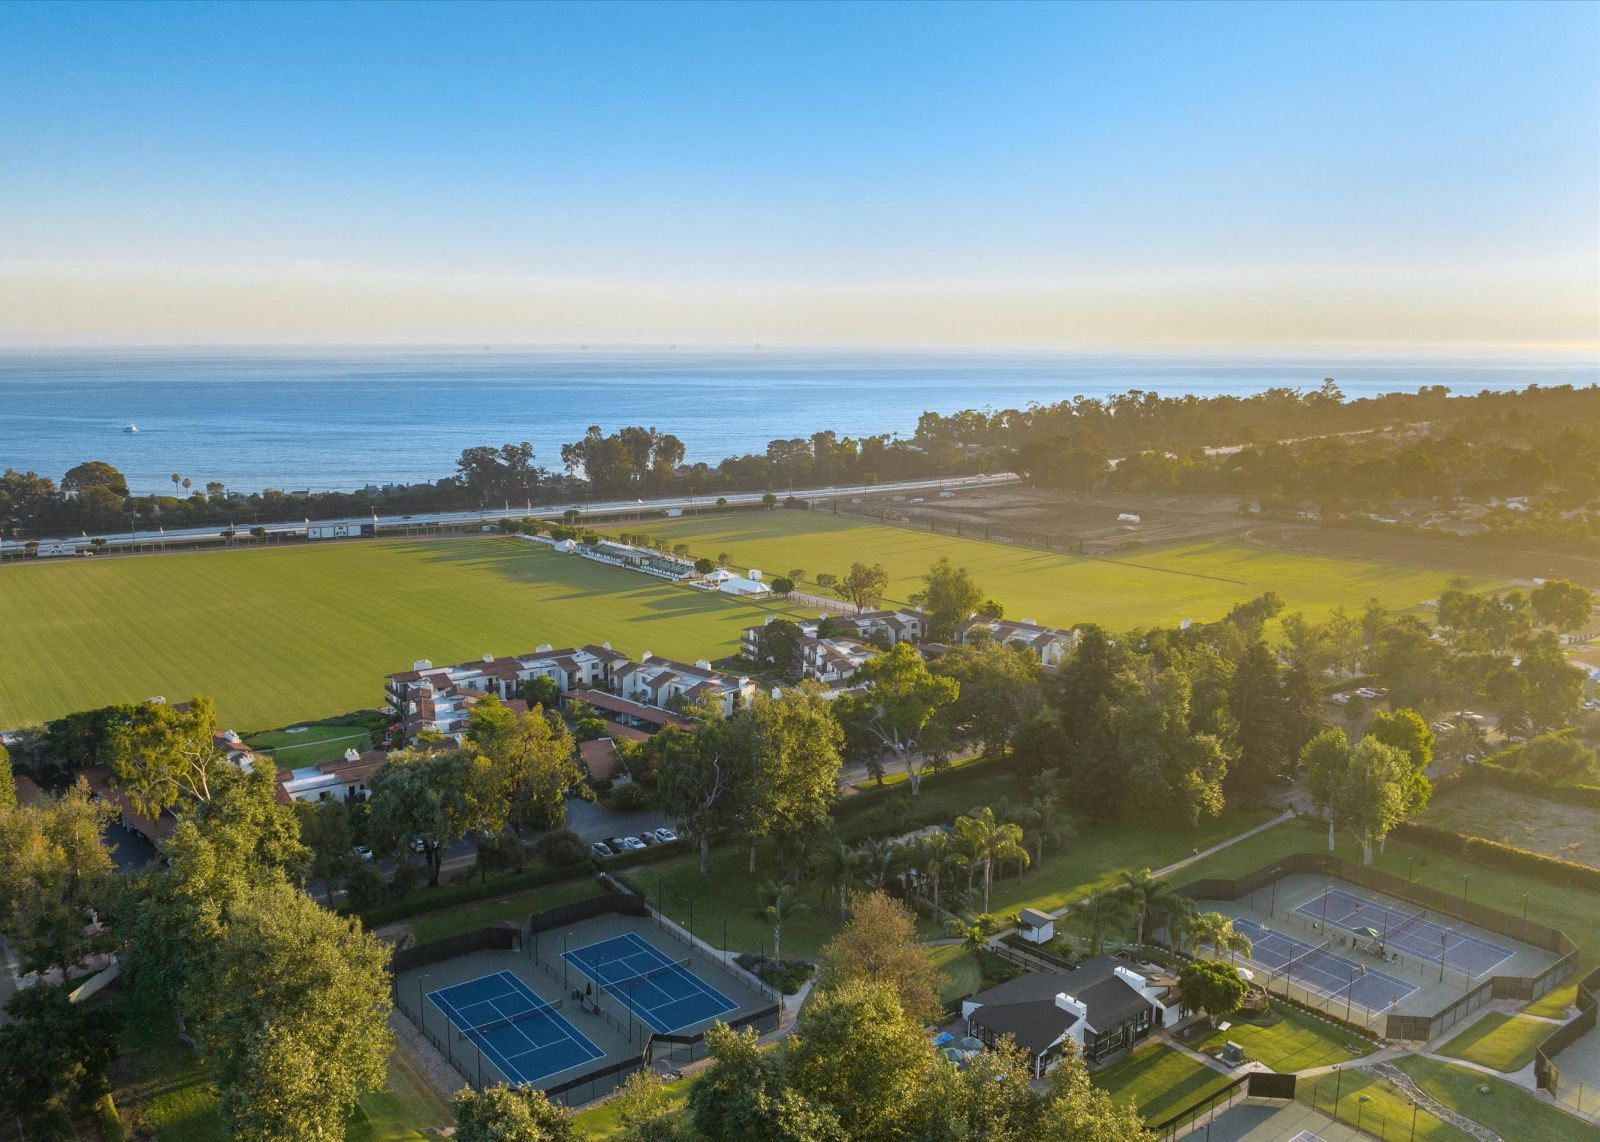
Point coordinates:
pixel 1037 927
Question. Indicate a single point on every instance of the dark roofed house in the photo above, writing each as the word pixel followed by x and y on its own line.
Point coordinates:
pixel 1102 1006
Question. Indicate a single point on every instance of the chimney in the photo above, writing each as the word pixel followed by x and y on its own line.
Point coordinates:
pixel 543 648
pixel 351 755
pixel 605 646
pixel 646 657
pixel 1071 1006
pixel 703 663
pixel 422 664
pixel 488 658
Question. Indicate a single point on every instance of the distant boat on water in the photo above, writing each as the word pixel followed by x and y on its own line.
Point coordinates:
pixel 131 428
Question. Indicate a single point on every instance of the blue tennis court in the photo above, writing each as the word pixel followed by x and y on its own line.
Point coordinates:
pixel 1409 932
pixel 662 992
pixel 516 1030
pixel 1323 971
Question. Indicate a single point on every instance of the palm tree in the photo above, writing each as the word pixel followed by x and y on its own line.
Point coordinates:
pixel 1149 897
pixel 938 855
pixel 1215 930
pixel 779 901
pixel 1102 913
pixel 986 841
pixel 879 861
pixel 837 867
pixel 1047 825
pixel 973 931
pixel 177 479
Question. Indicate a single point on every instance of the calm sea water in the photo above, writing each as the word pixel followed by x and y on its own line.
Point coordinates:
pixel 340 420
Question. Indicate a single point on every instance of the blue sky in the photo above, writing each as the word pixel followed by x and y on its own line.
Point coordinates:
pixel 1082 174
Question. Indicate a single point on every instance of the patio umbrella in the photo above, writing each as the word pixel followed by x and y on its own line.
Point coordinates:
pixel 1370 933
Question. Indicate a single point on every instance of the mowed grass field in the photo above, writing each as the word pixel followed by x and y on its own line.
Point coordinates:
pixel 280 634
pixel 1163 585
pixel 275 635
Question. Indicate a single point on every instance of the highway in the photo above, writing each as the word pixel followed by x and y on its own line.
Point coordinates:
pixel 211 533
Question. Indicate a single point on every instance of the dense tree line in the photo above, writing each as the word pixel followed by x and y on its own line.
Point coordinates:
pixel 1493 443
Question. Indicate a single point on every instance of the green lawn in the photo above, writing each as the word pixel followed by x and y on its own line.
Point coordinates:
pixel 1504 1042
pixel 284 633
pixel 1159 1081
pixel 311 746
pixel 1379 1106
pixel 512 906
pixel 1290 1041
pixel 1506 1109
pixel 962 974
pixel 1159 585
pixel 602 1122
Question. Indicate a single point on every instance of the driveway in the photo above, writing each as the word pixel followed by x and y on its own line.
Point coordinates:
pixel 594 822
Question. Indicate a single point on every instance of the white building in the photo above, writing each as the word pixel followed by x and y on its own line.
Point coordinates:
pixel 656 681
pixel 1052 646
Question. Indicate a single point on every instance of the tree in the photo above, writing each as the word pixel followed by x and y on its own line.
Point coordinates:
pixel 900 696
pixel 701 775
pixel 779 901
pixel 1151 900
pixel 859 1055
pixel 1098 916
pixel 862 585
pixel 783 586
pixel 541 690
pixel 836 867
pixel 986 841
pixel 55 1054
pixel 436 797
pixel 326 829
pixel 1077 1111
pixel 1562 604
pixel 8 782
pixel 744 1094
pixel 880 945
pixel 999 688
pixel 165 756
pixel 1256 702
pixel 950 596
pixel 93 474
pixel 991 1096
pixel 644 1110
pixel 794 743
pixel 511 1114
pixel 1303 715
pixel 1326 762
pixel 1408 732
pixel 778 645
pixel 1377 792
pixel 531 762
pixel 1212 987
pixel 303 1033
pixel 1213 930
pixel 704 566
pixel 54 876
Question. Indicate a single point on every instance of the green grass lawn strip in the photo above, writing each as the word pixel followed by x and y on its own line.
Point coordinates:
pixel 963 976
pixel 1290 1041
pixel 1506 1109
pixel 1381 1107
pixel 1504 1042
pixel 514 906
pixel 1159 1081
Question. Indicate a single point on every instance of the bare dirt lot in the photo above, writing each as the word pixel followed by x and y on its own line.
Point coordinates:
pixel 1571 832
pixel 1067 519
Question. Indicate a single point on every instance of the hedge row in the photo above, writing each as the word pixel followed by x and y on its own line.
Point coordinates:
pixel 1555 870
pixel 648 855
pixel 1521 781
pixel 430 899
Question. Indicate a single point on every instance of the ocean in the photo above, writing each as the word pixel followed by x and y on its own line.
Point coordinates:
pixel 339 420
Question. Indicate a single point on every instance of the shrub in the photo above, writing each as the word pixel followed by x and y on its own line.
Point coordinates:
pixel 406 878
pixel 561 847
pixel 365 886
pixel 1566 873
pixel 631 797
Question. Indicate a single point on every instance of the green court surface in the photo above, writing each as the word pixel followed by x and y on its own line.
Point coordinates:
pixel 284 633
pixel 1504 1042
pixel 1197 580
pixel 1159 1081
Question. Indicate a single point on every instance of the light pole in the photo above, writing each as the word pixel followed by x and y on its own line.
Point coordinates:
pixel 564 960
pixel 1443 935
pixel 1409 859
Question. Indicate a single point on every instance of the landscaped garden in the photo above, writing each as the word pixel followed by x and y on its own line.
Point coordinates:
pixel 1288 1041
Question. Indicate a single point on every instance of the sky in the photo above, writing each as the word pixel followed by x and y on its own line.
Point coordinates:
pixel 1152 176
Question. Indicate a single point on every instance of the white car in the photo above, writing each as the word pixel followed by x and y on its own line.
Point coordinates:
pixel 631 844
pixel 1340 699
pixel 665 835
pixel 363 852
pixel 419 845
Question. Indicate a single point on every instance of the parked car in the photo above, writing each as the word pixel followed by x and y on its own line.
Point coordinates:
pixel 665 835
pixel 1367 692
pixel 615 843
pixel 1340 699
pixel 419 845
pixel 363 852
pixel 631 844
pixel 600 849
pixel 649 837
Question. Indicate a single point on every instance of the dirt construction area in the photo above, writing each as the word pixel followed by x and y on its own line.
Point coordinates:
pixel 1067 519
pixel 1554 828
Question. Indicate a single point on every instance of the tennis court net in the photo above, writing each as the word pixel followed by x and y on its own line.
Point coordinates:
pixel 1402 925
pixel 1286 972
pixel 508 1020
